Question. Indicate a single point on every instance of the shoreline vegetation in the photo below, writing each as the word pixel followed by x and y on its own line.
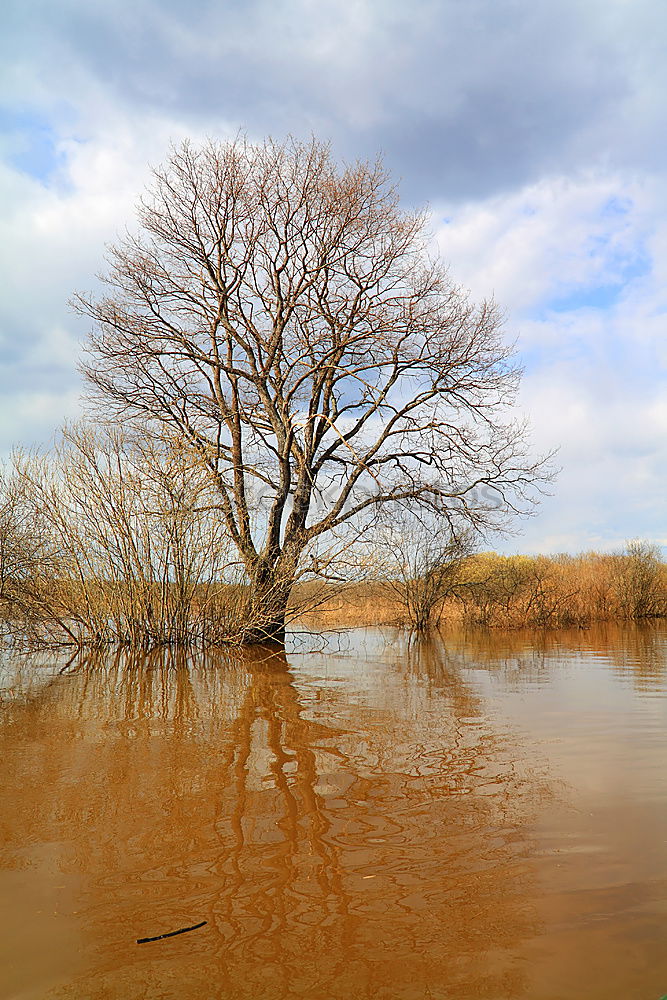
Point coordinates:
pixel 115 540
pixel 495 591
pixel 492 592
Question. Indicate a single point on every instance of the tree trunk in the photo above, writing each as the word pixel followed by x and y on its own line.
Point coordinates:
pixel 268 596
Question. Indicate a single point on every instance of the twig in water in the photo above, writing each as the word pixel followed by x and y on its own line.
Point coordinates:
pixel 171 933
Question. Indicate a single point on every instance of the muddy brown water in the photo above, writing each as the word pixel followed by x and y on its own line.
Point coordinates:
pixel 481 816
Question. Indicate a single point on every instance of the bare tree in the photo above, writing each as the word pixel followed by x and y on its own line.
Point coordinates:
pixel 421 561
pixel 284 316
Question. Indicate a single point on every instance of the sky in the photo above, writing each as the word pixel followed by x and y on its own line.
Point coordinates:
pixel 534 131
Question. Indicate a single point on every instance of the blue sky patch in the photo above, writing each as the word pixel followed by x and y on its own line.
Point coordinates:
pixel 602 295
pixel 30 143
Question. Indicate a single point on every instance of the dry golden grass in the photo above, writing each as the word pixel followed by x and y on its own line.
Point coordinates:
pixel 352 606
pixel 521 591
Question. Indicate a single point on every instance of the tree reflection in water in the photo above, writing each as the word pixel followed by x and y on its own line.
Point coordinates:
pixel 341 839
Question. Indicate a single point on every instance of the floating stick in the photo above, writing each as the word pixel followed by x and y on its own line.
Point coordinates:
pixel 171 933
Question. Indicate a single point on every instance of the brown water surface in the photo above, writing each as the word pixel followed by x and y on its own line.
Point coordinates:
pixel 480 816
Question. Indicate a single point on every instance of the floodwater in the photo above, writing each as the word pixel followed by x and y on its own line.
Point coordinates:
pixel 481 816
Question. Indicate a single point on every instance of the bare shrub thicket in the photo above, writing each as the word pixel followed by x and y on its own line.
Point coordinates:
pixel 421 563
pixel 24 548
pixel 640 581
pixel 114 539
pixel 131 549
pixel 561 591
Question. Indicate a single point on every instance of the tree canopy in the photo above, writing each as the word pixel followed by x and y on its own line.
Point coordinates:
pixel 283 316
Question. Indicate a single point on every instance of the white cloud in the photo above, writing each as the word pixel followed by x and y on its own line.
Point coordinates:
pixel 586 387
pixel 546 240
pixel 596 379
pixel 52 240
pixel 544 145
